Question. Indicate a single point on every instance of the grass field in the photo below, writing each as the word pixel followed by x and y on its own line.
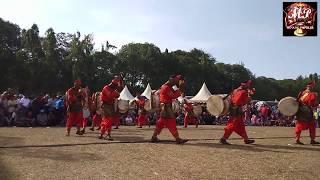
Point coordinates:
pixel 45 153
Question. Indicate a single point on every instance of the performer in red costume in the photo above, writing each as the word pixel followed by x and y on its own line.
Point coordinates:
pixel 239 98
pixel 74 100
pixel 142 118
pixel 87 105
pixel 189 115
pixel 305 119
pixel 116 119
pixel 96 111
pixel 108 96
pixel 167 116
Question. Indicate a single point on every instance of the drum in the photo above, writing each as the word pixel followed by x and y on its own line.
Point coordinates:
pixel 98 105
pixel 288 106
pixel 153 104
pixel 155 100
pixel 132 104
pixel 123 105
pixel 218 106
pixel 176 106
pixel 197 110
pixel 147 105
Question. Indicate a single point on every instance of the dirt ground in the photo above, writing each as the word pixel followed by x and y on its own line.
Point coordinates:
pixel 45 153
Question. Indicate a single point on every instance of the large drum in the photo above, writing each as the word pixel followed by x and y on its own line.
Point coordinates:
pixel 123 105
pixel 155 100
pixel 197 110
pixel 176 107
pixel 98 103
pixel 148 105
pixel 288 106
pixel 132 104
pixel 153 104
pixel 218 106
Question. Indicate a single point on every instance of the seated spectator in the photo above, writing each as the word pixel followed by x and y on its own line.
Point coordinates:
pixel 3 118
pixel 59 110
pixel 19 118
pixel 12 105
pixel 51 119
pixel 29 119
pixel 42 118
pixel 254 120
pixel 25 102
pixel 129 120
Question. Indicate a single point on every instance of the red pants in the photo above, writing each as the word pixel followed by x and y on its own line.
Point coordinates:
pixel 97 120
pixel 116 121
pixel 170 123
pixel 142 119
pixel 303 125
pixel 106 125
pixel 235 124
pixel 84 122
pixel 191 119
pixel 74 117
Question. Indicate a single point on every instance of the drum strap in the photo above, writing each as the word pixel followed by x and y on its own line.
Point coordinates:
pixel 236 110
pixel 166 110
pixel 304 113
pixel 108 109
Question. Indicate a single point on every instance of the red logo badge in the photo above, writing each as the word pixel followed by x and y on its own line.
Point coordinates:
pixel 300 18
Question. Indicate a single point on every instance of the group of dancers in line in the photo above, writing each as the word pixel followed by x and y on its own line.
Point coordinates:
pixel 171 90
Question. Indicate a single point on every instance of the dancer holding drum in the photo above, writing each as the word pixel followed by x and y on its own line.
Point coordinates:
pixel 238 98
pixel 87 107
pixel 74 99
pixel 108 96
pixel 167 116
pixel 308 100
pixel 142 118
pixel 97 111
pixel 189 115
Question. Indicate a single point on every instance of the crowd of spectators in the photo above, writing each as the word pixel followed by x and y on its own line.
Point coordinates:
pixel 49 110
pixel 22 110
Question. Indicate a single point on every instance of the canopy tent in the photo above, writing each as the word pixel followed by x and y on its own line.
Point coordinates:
pixel 202 95
pixel 222 95
pixel 147 92
pixel 125 94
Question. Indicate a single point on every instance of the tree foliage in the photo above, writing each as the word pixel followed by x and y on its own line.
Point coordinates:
pixel 49 64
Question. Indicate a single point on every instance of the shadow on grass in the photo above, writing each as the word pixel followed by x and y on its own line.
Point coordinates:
pixel 129 139
pixel 6 173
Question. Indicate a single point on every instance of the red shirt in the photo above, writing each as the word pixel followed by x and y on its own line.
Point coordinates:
pixel 188 107
pixel 108 95
pixel 167 94
pixel 141 102
pixel 239 97
pixel 264 110
pixel 72 94
pixel 308 98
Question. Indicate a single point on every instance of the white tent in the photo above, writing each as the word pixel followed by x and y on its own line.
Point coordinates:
pixel 125 94
pixel 202 95
pixel 147 92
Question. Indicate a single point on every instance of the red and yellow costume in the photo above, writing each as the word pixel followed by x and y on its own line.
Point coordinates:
pixel 108 96
pixel 305 119
pixel 189 115
pixel 167 116
pixel 239 98
pixel 96 110
pixel 142 113
pixel 116 119
pixel 87 105
pixel 74 107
